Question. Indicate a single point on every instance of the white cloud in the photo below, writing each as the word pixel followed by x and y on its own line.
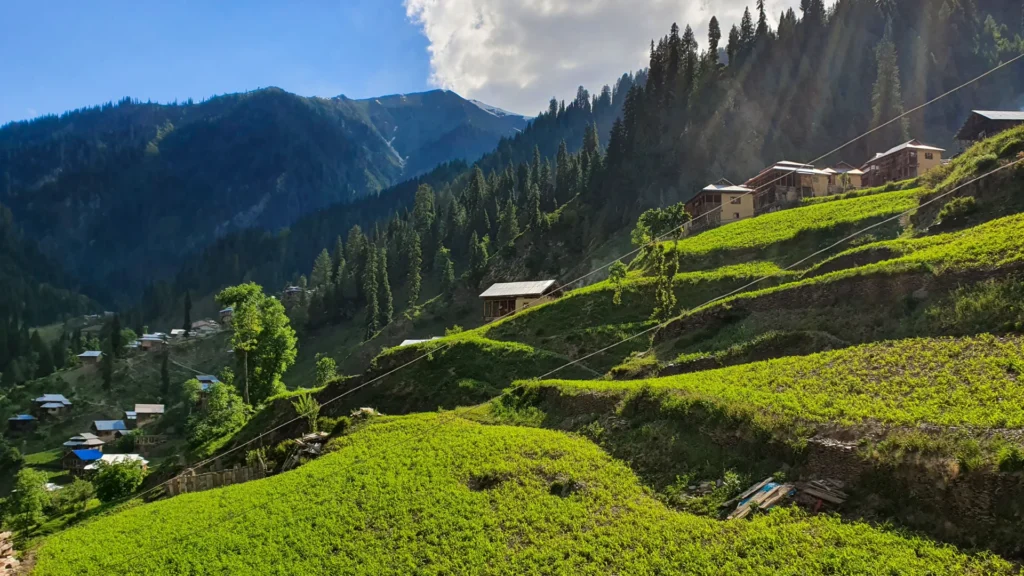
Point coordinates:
pixel 517 54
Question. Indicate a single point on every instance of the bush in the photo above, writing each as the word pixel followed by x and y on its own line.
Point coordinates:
pixel 117 481
pixel 28 499
pixel 958 208
pixel 71 498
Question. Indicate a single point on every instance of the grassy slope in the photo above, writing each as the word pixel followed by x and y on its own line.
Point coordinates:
pixel 425 494
pixel 951 382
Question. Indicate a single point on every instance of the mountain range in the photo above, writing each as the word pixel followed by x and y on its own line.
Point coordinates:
pixel 121 193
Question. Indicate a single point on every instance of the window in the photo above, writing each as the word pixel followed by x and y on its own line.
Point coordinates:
pixel 735 215
pixel 929 156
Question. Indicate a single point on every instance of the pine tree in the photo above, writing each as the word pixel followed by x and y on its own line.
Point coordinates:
pixel 762 30
pixel 386 307
pixel 43 354
pixel 746 30
pixel 423 211
pixel 886 99
pixel 165 376
pixel 59 351
pixel 116 345
pixel 187 322
pixel 733 47
pixel 563 175
pixel 477 259
pixel 509 224
pixel 714 37
pixel 107 369
pixel 320 277
pixel 415 264
pixel 370 290
pixel 447 269
pixel 533 212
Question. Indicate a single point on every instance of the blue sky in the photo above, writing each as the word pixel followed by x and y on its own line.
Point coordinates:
pixel 59 55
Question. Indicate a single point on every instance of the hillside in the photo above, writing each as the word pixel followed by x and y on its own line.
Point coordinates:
pixel 108 189
pixel 442 495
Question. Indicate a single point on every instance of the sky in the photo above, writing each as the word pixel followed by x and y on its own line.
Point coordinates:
pixel 515 54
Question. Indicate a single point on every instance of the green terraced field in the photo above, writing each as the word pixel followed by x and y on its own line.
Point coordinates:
pixel 971 382
pixel 434 494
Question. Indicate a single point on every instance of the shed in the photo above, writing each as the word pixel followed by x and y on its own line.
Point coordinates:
pixel 22 423
pixel 505 298
pixel 981 124
pixel 147 413
pixel 109 430
pixel 75 461
pixel 90 357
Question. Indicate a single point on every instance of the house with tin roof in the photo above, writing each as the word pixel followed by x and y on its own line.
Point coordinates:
pixel 22 423
pixel 146 414
pixel 982 124
pixel 109 430
pixel 51 405
pixel 90 357
pixel 504 298
pixel 720 203
pixel 908 160
pixel 75 461
pixel 84 441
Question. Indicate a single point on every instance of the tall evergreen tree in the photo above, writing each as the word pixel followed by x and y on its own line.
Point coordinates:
pixel 165 376
pixel 477 259
pixel 447 269
pixel 370 289
pixel 747 30
pixel 187 321
pixel 762 20
pixel 733 47
pixel 886 98
pixel 43 354
pixel 386 306
pixel 714 37
pixel 320 277
pixel 107 370
pixel 116 344
pixel 415 264
pixel 509 224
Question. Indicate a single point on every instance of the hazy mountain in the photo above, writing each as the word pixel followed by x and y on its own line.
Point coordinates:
pixel 431 128
pixel 120 193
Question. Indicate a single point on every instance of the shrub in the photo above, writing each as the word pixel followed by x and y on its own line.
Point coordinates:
pixel 117 481
pixel 29 497
pixel 73 497
pixel 1011 459
pixel 958 208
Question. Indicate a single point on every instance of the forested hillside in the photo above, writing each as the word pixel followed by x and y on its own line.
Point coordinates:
pixel 120 193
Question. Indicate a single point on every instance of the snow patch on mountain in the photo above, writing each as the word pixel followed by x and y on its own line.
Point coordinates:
pixel 494 110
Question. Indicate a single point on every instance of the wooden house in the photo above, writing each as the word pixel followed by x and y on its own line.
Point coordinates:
pixel 152 342
pixel 146 414
pixel 109 430
pixel 785 183
pixel 75 461
pixel 504 298
pixel 84 441
pixel 51 405
pixel 22 423
pixel 844 178
pixel 982 124
pixel 720 203
pixel 90 357
pixel 908 160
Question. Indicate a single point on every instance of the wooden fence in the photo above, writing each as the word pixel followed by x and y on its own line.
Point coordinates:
pixel 192 482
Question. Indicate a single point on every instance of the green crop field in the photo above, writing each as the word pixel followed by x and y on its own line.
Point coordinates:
pixel 952 382
pixel 435 494
pixel 787 225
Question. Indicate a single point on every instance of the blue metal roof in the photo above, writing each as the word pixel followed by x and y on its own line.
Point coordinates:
pixel 49 405
pixel 130 414
pixel 88 454
pixel 23 417
pixel 207 378
pixel 54 398
pixel 109 425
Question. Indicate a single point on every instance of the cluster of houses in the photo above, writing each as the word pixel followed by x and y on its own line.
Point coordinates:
pixel 83 452
pixel 786 183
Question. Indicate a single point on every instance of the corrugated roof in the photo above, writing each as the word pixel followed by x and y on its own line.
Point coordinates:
pixel 117 459
pixel 149 408
pixel 109 425
pixel 207 378
pixel 50 405
pixel 88 454
pixel 90 354
pixel 726 188
pixel 23 417
pixel 913 144
pixel 501 289
pixel 85 442
pixel 130 415
pixel 1000 114
pixel 54 398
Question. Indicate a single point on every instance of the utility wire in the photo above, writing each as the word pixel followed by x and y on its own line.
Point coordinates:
pixel 651 243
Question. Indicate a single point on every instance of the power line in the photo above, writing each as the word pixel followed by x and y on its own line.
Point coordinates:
pixel 651 243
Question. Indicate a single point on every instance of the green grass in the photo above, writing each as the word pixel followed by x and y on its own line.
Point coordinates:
pixel 976 160
pixel 431 495
pixel 779 233
pixel 970 382
pixel 992 245
pixel 860 192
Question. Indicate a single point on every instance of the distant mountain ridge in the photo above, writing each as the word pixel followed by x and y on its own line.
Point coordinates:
pixel 430 128
pixel 121 193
